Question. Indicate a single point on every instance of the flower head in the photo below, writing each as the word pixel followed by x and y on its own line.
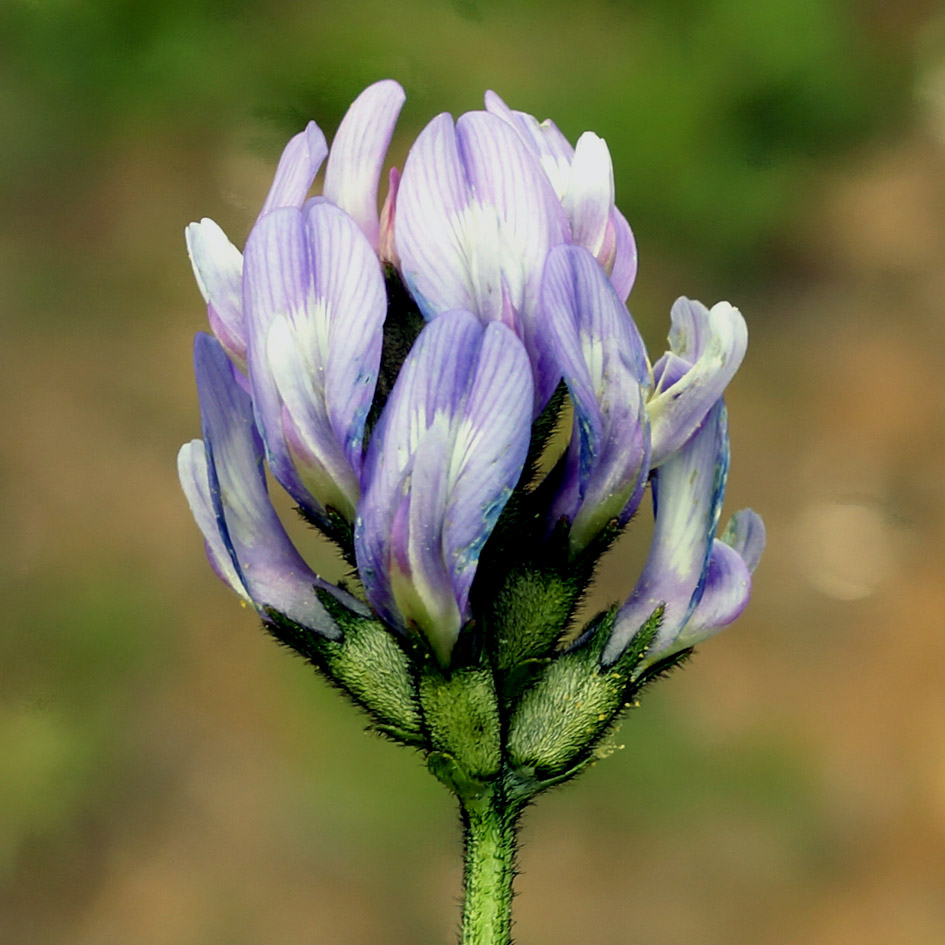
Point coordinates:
pixel 401 374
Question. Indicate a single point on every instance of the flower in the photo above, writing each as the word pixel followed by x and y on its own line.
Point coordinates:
pixel 398 374
pixel 443 460
pixel 351 179
pixel 224 482
pixel 701 583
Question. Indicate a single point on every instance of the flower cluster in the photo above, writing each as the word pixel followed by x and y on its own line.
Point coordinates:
pixel 402 374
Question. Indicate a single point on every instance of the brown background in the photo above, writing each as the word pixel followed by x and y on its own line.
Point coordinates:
pixel 168 776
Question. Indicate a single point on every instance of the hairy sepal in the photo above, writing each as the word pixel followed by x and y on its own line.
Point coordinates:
pixel 369 664
pixel 462 721
pixel 574 701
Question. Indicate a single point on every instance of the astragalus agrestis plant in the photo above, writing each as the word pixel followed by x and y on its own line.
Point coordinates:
pixel 401 374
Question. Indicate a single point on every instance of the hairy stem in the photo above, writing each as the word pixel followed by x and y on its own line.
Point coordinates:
pixel 490 823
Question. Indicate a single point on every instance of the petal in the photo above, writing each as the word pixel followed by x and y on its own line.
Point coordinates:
pixel 488 452
pixel 358 152
pixel 600 354
pixel 624 271
pixel 316 454
pixel 315 304
pixel 276 281
pixel 510 226
pixel 745 532
pixel 299 164
pixel 690 332
pixel 589 198
pixel 718 338
pixel 430 384
pixel 429 227
pixel 194 480
pixel 543 139
pixel 448 449
pixel 582 178
pixel 349 294
pixel 687 495
pixel 419 576
pixel 724 596
pixel 271 570
pixel 476 218
pixel 218 268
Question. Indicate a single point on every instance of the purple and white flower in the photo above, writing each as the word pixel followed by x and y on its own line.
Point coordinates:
pixel 314 304
pixel 351 178
pixel 583 180
pixel 701 583
pixel 596 348
pixel 443 461
pixel 510 245
pixel 225 484
pixel 476 218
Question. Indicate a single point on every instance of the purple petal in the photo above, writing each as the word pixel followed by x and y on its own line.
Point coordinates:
pixel 299 164
pixel 518 213
pixel 690 331
pixel 316 453
pixel 687 492
pixel 429 227
pixel 315 305
pixel 276 281
pixel 582 178
pixel 543 139
pixel 624 271
pixel 717 339
pixel 430 382
pixel 358 152
pixel 488 452
pixel 745 532
pixel 475 220
pixel 447 451
pixel 271 570
pixel 599 352
pixel 218 268
pixel 724 596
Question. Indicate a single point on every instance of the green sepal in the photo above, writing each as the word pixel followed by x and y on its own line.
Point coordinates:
pixel 368 663
pixel 461 715
pixel 527 611
pixel 527 615
pixel 394 734
pixel 559 720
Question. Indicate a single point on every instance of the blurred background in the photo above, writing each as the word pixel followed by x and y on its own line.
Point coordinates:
pixel 169 776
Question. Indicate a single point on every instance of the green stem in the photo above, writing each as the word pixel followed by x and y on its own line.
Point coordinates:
pixel 490 823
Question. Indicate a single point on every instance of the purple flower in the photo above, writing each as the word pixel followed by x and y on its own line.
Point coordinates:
pixel 476 218
pixel 396 371
pixel 598 351
pixel 583 180
pixel 351 178
pixel 223 479
pixel 706 349
pixel 701 583
pixel 442 463
pixel 314 303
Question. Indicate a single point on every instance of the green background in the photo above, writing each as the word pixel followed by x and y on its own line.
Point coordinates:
pixel 169 775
